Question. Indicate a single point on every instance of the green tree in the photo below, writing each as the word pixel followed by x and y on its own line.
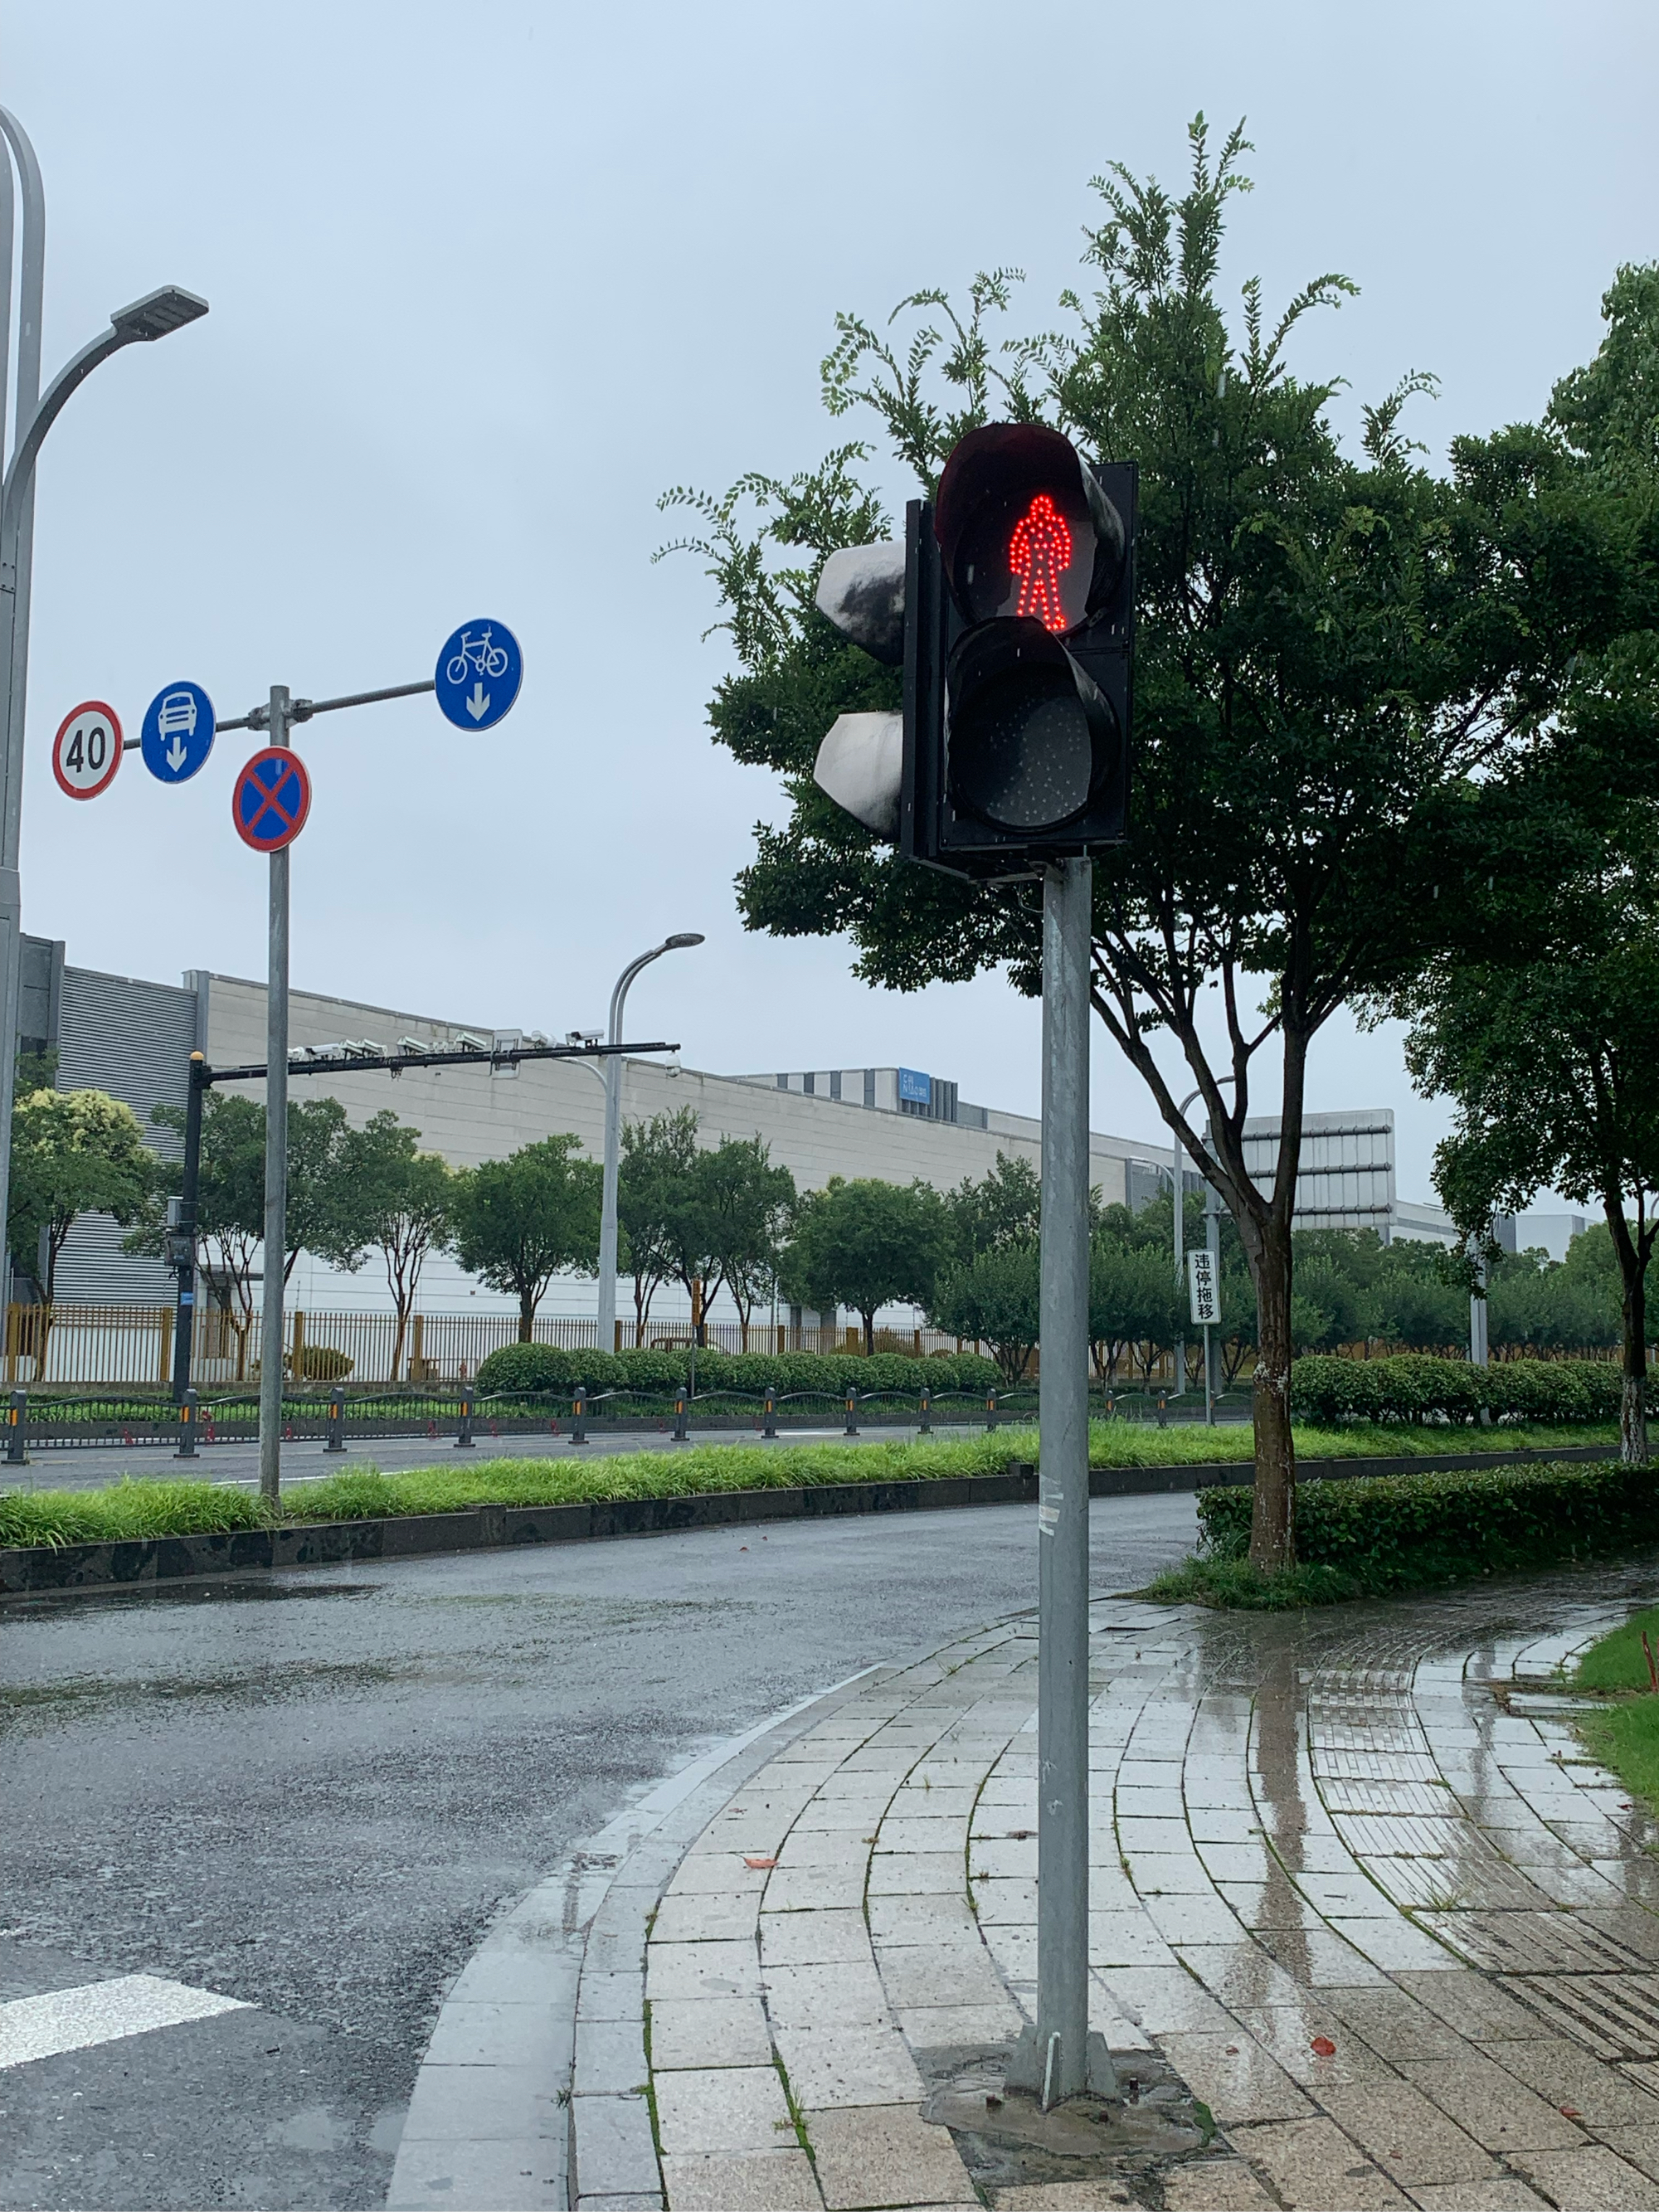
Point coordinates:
pixel 1005 1207
pixel 866 1244
pixel 1535 1305
pixel 1549 1061
pixel 1420 1297
pixel 403 1202
pixel 520 1221
pixel 992 1296
pixel 723 1215
pixel 73 1153
pixel 1132 1296
pixel 326 1213
pixel 658 1157
pixel 747 1204
pixel 1338 658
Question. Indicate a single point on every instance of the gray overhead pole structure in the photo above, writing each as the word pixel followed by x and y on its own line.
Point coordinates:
pixel 34 414
pixel 613 1081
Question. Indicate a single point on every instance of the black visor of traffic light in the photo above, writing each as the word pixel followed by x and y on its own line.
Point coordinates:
pixel 1025 529
pixel 1032 737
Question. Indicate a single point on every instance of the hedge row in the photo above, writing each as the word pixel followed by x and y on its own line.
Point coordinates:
pixel 1385 1532
pixel 550 1367
pixel 1412 1387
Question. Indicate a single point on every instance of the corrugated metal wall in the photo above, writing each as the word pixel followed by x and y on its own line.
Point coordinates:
pixel 134 1040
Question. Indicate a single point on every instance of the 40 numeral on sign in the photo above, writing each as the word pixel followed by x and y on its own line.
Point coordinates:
pixel 86 751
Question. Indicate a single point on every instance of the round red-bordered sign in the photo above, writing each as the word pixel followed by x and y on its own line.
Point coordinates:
pixel 86 751
pixel 271 799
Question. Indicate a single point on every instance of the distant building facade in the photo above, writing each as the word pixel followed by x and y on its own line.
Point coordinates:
pixel 133 1038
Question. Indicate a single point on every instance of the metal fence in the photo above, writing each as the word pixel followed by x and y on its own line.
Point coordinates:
pixel 107 1345
pixel 37 1420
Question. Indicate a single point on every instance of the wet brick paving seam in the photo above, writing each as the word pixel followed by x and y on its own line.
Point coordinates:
pixel 1399 1937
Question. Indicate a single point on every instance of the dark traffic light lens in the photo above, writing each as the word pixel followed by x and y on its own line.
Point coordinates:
pixel 1030 734
pixel 1023 755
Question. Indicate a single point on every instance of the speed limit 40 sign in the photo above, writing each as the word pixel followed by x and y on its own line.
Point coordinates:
pixel 86 751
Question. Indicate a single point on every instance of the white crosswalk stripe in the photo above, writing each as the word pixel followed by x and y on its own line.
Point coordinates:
pixel 100 2012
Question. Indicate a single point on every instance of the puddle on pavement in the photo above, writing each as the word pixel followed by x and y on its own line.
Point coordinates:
pixel 233 1590
pixel 1007 2141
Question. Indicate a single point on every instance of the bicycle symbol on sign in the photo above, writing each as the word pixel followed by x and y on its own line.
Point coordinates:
pixel 478 654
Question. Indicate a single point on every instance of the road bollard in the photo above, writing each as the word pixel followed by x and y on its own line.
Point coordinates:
pixel 579 1414
pixel 17 1428
pixel 990 1409
pixel 187 1421
pixel 1162 1409
pixel 335 1444
pixel 682 1402
pixel 769 1411
pixel 925 1426
pixel 852 1429
pixel 464 1439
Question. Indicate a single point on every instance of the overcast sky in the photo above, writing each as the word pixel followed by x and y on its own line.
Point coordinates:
pixel 486 279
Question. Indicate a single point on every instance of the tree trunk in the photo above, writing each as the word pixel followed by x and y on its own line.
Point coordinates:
pixel 869 1320
pixel 526 1316
pixel 1633 1270
pixel 1272 1520
pixel 402 1311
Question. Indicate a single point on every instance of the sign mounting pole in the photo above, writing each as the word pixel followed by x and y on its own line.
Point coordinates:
pixel 270 1329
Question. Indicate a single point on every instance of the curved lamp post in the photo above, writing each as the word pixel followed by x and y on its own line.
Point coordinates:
pixel 155 316
pixel 613 1080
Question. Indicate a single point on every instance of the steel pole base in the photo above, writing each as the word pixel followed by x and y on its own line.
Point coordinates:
pixel 1037 2063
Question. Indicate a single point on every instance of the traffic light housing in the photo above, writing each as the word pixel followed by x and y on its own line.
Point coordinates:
pixel 1011 605
pixel 1020 578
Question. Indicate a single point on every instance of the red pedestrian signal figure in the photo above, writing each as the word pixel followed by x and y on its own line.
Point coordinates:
pixel 1039 554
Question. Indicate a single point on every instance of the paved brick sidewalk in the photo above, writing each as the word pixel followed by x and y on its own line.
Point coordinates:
pixel 1353 1884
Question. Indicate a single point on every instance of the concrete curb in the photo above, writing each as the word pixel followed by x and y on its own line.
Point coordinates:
pixel 144 1563
pixel 537 2057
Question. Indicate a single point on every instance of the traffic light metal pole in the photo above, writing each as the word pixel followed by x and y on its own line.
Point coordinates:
pixel 184 1326
pixel 275 1251
pixel 1058 2059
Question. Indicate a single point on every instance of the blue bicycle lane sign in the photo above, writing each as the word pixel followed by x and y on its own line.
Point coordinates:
pixel 177 735
pixel 478 673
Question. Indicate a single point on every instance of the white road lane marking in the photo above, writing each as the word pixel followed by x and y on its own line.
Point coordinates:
pixel 100 2012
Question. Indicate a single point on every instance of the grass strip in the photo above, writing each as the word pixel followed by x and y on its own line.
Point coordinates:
pixel 147 1506
pixel 1625 1735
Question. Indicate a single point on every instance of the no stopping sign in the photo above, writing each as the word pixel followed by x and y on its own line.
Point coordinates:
pixel 271 799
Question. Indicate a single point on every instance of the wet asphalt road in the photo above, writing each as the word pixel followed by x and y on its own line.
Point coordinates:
pixel 312 1792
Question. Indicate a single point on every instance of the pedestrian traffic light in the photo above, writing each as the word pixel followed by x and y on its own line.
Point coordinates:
pixel 1015 628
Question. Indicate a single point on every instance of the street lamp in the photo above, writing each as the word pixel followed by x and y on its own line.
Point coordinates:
pixel 155 316
pixel 613 1078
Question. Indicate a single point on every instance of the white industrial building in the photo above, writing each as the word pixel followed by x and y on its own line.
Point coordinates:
pixel 133 1039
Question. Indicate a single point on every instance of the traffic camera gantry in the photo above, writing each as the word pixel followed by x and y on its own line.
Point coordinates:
pixel 181 1231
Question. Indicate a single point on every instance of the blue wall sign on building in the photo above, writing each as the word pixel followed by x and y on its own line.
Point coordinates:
pixel 178 733
pixel 915 1087
pixel 479 671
